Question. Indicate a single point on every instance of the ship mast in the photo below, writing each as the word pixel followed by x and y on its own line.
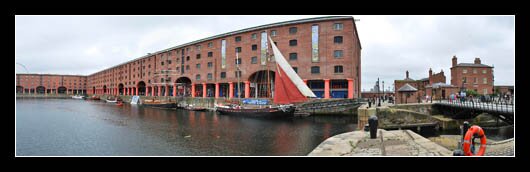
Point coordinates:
pixel 238 78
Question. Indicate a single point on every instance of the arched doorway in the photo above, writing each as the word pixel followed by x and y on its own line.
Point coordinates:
pixel 20 89
pixel 183 86
pixel 41 90
pixel 120 89
pixel 261 84
pixel 61 90
pixel 105 89
pixel 141 88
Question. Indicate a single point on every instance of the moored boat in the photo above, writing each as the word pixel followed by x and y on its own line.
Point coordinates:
pixel 160 104
pixel 288 89
pixel 77 97
pixel 111 101
pixel 194 108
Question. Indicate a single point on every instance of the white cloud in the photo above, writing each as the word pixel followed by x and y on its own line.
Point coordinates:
pixel 391 44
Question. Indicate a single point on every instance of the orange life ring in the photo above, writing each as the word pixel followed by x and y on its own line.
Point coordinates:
pixel 474 131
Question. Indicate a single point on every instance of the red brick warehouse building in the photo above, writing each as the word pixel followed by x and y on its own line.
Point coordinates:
pixel 50 84
pixel 472 76
pixel 325 52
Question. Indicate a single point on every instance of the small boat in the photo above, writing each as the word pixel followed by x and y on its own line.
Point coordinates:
pixel 112 101
pixel 119 103
pixel 77 97
pixel 160 104
pixel 193 108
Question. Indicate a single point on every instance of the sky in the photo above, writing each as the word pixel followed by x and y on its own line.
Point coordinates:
pixel 391 45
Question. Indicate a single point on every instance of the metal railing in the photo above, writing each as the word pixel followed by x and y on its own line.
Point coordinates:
pixel 477 104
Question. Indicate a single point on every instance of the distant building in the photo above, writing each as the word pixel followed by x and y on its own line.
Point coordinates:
pixel 409 90
pixel 50 84
pixel 504 89
pixel 472 76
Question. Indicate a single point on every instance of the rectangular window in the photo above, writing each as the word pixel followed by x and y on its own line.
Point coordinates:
pixel 485 91
pixel 238 49
pixel 238 61
pixel 254 36
pixel 161 63
pixel 484 71
pixel 273 33
pixel 464 80
pixel 198 77
pixel 337 54
pixel 198 48
pixel 238 38
pixel 210 54
pixel 198 66
pixel 210 64
pixel 168 62
pixel 198 56
pixel 293 56
pixel 337 26
pixel 338 69
pixel 314 43
pixel 293 42
pixel 223 74
pixel 187 67
pixel 485 80
pixel 293 30
pixel 210 44
pixel 264 47
pixel 474 70
pixel 337 39
pixel 254 47
pixel 254 60
pixel 209 76
pixel 237 73
pixel 315 69
pixel 464 71
pixel 223 54
pixel 475 80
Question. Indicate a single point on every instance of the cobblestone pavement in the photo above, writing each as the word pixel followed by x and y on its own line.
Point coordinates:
pixel 502 148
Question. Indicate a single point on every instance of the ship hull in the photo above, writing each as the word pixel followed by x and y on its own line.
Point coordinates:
pixel 162 105
pixel 259 113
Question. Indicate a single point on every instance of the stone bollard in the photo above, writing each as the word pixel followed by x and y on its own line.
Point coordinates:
pixel 373 122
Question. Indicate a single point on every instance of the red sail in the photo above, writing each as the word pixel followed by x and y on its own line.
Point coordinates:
pixel 285 92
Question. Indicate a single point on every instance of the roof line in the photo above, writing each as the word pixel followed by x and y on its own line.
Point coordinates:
pixel 243 31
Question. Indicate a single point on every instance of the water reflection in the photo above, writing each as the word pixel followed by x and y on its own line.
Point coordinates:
pixel 98 128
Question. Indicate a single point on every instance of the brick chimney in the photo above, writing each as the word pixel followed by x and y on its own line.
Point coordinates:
pixel 477 60
pixel 454 61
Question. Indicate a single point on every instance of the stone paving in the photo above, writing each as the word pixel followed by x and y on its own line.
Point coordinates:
pixel 388 143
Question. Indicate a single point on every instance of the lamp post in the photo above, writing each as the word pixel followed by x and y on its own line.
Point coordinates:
pixel 384 96
pixel 378 94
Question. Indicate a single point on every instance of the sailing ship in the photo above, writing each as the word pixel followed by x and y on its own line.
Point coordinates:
pixel 288 89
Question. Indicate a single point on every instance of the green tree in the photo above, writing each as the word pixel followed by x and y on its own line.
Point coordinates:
pixel 471 93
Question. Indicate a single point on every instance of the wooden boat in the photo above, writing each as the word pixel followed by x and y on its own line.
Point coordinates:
pixel 193 108
pixel 289 89
pixel 160 104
